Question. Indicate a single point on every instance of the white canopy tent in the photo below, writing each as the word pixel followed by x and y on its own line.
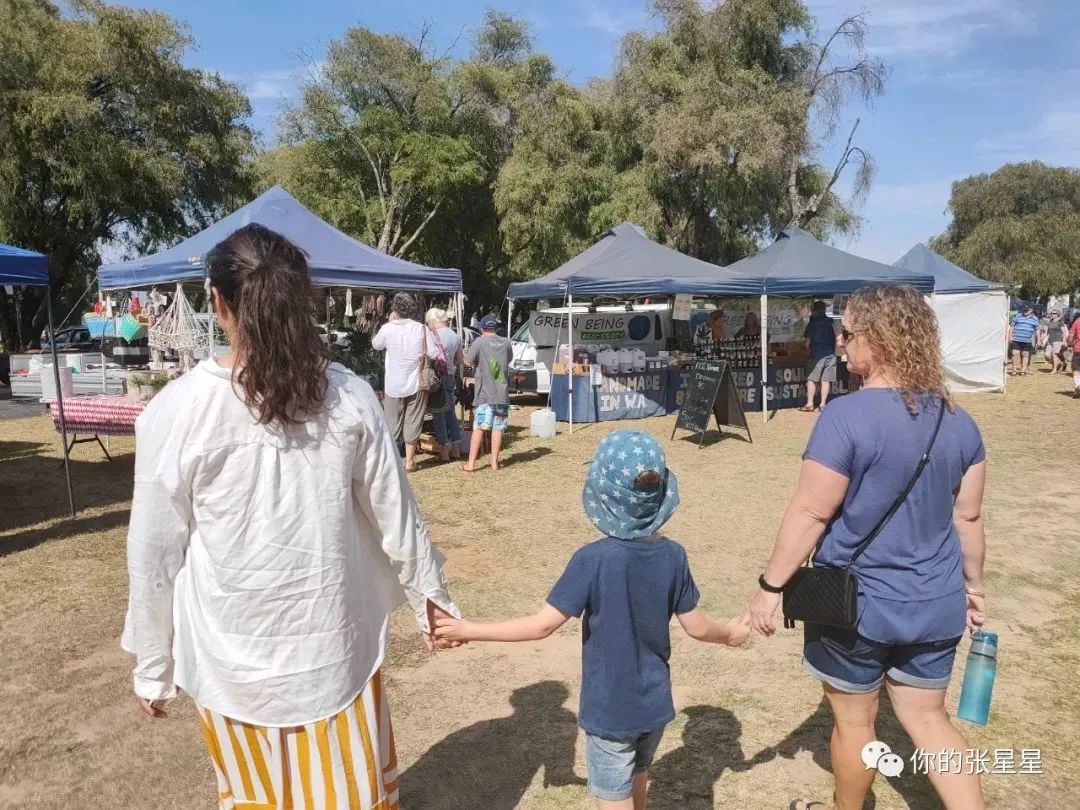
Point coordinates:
pixel 973 316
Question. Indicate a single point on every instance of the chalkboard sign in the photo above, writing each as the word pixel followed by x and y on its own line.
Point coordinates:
pixel 710 392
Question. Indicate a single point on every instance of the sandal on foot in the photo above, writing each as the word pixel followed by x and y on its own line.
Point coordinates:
pixel 806 804
pixel 806 409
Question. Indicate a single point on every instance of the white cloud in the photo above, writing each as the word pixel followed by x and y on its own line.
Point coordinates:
pixel 909 28
pixel 615 23
pixel 1054 137
pixel 271 85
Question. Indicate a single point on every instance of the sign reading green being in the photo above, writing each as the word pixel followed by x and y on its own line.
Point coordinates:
pixel 644 329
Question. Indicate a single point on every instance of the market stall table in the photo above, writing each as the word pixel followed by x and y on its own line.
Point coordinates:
pixel 97 415
pixel 659 393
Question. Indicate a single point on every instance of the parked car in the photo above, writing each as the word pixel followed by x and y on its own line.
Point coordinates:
pixel 331 337
pixel 72 339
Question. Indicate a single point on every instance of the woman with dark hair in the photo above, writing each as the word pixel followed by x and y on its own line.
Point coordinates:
pixel 272 532
pixel 751 327
pixel 921 577
pixel 405 339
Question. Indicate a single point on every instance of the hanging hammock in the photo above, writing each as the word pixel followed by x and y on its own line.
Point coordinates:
pixel 178 329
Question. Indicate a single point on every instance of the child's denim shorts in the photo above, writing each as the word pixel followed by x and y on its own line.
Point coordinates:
pixel 853 664
pixel 613 763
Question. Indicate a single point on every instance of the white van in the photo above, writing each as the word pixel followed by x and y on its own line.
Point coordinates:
pixel 644 326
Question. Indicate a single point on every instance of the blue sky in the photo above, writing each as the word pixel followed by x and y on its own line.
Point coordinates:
pixel 973 83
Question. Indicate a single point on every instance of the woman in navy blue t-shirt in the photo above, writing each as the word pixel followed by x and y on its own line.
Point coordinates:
pixel 921 579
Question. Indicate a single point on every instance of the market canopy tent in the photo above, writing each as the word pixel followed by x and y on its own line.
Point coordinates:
pixel 948 277
pixel 335 259
pixel 25 268
pixel 798 265
pixel 973 316
pixel 625 262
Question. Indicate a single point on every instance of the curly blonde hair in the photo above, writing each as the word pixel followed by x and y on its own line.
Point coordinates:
pixel 903 333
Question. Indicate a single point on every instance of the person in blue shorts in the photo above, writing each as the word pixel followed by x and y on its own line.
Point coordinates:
pixel 920 580
pixel 625 587
pixel 490 354
pixel 1022 332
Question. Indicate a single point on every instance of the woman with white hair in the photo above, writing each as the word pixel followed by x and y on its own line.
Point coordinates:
pixel 445 423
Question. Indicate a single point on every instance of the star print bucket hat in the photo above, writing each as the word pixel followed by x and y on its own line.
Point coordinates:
pixel 616 503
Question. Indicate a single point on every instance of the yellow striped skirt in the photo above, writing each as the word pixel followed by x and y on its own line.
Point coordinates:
pixel 346 762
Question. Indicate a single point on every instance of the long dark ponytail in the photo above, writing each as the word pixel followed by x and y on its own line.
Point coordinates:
pixel 263 277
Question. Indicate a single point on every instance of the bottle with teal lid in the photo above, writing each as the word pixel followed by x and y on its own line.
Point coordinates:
pixel 979 678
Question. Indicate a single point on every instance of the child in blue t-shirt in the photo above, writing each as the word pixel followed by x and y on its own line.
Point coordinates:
pixel 626 587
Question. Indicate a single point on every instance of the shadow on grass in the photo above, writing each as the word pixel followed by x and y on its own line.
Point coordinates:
pixel 814 734
pixel 491 763
pixel 685 777
pixel 715 437
pixel 21 541
pixel 524 458
pixel 35 490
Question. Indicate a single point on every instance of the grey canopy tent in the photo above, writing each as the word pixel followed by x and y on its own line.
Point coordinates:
pixel 973 318
pixel 626 262
pixel 25 268
pixel 334 258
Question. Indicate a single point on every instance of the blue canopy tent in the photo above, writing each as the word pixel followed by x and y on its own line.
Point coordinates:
pixel 973 318
pixel 797 265
pixel 335 260
pixel 25 268
pixel 626 262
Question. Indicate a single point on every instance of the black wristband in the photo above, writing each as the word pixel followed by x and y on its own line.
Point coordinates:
pixel 765 586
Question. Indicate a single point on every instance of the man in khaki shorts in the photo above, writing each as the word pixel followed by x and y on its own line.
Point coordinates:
pixel 821 367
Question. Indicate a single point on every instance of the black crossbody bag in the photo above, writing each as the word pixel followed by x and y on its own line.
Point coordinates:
pixel 829 596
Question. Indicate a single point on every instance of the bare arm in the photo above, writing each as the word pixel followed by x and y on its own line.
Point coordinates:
pixel 700 626
pixel 525 628
pixel 818 495
pixel 967 514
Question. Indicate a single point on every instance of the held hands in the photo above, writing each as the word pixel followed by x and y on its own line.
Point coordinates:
pixel 763 609
pixel 449 629
pixel 433 641
pixel 152 708
pixel 739 631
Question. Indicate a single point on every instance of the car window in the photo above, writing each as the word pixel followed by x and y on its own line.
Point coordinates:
pixel 522 335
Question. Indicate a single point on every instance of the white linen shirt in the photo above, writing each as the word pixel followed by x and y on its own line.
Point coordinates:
pixel 264 562
pixel 403 341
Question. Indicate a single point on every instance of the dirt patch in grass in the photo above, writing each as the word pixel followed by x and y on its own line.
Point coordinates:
pixel 494 726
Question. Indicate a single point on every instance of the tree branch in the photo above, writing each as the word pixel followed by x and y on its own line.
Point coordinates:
pixel 419 229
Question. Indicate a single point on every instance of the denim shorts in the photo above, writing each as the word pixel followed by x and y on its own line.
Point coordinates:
pixel 490 417
pixel 613 763
pixel 856 665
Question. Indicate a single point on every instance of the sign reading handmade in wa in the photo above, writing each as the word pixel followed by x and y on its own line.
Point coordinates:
pixel 710 392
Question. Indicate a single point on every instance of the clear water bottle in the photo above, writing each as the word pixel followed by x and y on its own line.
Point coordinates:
pixel 979 678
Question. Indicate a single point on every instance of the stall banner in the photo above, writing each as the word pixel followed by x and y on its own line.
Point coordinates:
pixel 615 328
pixel 786 388
pixel 623 396
pixel 787 318
pixel 682 308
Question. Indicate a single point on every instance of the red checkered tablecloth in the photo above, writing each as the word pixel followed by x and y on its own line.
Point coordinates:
pixel 102 414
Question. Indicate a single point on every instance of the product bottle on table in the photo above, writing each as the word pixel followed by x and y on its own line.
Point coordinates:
pixel 979 678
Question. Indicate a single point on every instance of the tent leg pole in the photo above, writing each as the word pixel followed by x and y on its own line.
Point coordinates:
pixel 459 305
pixel 570 365
pixel 59 401
pixel 765 358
